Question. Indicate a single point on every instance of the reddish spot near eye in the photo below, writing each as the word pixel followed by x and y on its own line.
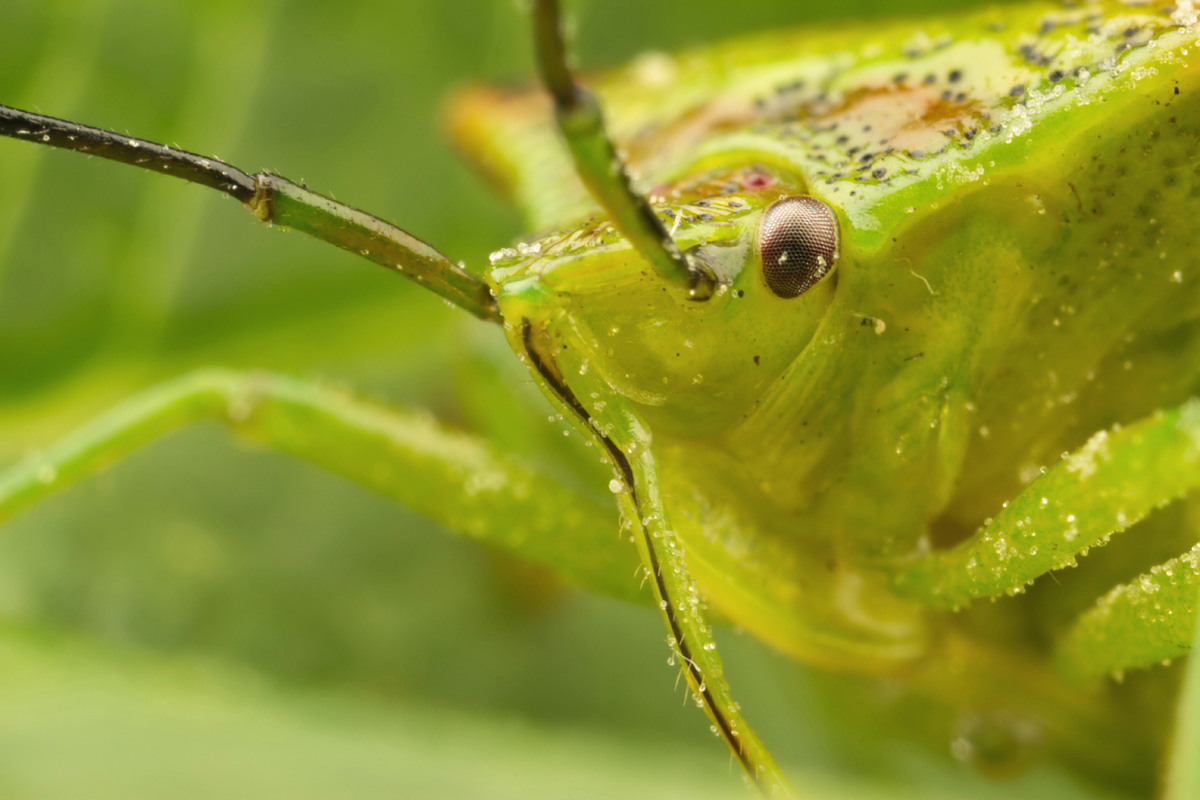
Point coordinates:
pixel 756 180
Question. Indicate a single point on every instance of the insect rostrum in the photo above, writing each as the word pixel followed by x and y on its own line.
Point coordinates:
pixel 1013 195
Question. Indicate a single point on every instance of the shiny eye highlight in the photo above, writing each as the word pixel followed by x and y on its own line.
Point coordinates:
pixel 798 240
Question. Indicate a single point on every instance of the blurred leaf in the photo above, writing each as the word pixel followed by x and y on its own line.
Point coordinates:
pixel 79 721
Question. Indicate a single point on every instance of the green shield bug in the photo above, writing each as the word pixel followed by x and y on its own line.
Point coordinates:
pixel 894 318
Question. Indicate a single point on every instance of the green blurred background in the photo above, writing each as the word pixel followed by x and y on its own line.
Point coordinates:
pixel 209 620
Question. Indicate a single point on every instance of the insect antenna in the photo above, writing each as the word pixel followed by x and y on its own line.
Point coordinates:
pixel 272 199
pixel 602 169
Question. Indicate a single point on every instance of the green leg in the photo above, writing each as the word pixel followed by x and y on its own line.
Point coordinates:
pixel 452 478
pixel 1183 773
pixel 1148 620
pixel 1110 483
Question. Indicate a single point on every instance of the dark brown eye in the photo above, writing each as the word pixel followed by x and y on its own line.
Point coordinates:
pixel 798 240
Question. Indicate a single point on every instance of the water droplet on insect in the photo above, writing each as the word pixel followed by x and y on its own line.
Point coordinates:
pixel 999 744
pixel 501 254
pixel 614 486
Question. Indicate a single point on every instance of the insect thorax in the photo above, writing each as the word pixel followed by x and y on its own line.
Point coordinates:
pixel 1017 213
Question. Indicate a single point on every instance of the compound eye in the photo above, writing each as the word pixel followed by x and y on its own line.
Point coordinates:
pixel 798 240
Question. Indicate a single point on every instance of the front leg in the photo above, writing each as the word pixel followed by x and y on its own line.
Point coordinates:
pixel 457 480
pixel 1110 483
pixel 1183 772
pixel 1113 481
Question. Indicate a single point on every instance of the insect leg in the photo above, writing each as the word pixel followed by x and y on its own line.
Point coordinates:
pixel 1102 488
pixel 272 199
pixel 1183 771
pixel 602 169
pixel 455 479
pixel 1150 619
